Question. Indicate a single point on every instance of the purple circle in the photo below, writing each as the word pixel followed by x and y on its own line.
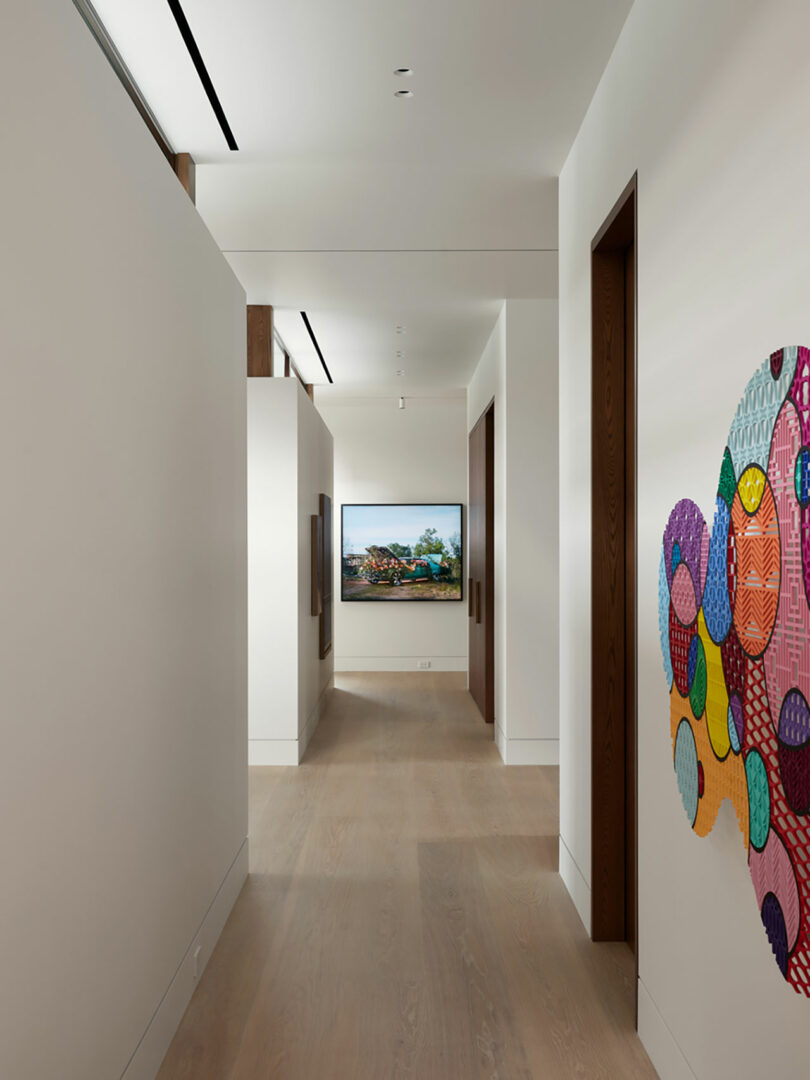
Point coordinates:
pixel 736 710
pixel 794 719
pixel 685 527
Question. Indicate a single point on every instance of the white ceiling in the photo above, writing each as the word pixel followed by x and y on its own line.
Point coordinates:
pixel 366 210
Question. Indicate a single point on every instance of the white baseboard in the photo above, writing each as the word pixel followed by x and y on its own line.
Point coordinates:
pixel 290 751
pixel 399 663
pixel 272 751
pixel 659 1042
pixel 151 1049
pixel 531 751
pixel 578 888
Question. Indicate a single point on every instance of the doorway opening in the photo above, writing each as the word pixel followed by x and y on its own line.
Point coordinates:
pixel 614 874
pixel 481 580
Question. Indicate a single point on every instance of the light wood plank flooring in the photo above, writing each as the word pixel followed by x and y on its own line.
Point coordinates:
pixel 404 918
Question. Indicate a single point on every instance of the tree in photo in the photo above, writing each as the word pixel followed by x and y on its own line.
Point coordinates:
pixel 429 543
pixel 402 551
pixel 454 557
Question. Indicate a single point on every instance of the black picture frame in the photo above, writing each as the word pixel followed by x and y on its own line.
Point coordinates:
pixel 402 599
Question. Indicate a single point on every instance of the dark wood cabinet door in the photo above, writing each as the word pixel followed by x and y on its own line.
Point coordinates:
pixel 481 546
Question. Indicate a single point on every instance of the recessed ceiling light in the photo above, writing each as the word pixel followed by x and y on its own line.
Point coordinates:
pixel 400 371
pixel 400 329
pixel 403 73
pixel 400 353
pixel 403 93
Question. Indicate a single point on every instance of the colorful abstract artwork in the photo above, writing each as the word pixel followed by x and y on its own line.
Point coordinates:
pixel 734 619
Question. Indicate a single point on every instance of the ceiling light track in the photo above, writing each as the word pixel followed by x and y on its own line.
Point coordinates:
pixel 202 71
pixel 116 62
pixel 317 346
pixel 389 251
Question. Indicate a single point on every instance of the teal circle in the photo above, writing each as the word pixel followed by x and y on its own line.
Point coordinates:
pixel 733 736
pixel 686 768
pixel 759 799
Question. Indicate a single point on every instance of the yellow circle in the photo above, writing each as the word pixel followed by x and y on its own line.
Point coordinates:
pixel 751 487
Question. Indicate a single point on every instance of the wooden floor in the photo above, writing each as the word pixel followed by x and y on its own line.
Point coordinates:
pixel 404 917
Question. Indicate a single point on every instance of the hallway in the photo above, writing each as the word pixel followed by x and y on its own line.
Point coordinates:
pixel 403 917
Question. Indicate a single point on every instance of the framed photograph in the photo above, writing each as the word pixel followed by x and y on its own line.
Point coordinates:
pixel 401 551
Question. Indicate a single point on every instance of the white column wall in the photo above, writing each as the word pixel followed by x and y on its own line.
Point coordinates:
pixel 123 779
pixel 519 370
pixel 289 465
pixel 273 545
pixel 315 475
pixel 711 104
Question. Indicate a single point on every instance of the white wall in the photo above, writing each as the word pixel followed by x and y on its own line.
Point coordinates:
pixel 289 465
pixel 519 369
pixel 711 104
pixel 384 454
pixel 273 577
pixel 315 475
pixel 123 779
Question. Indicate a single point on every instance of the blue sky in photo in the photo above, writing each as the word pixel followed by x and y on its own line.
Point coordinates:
pixel 383 525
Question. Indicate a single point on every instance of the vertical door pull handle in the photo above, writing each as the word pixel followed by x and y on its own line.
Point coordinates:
pixel 478 601
pixel 470 597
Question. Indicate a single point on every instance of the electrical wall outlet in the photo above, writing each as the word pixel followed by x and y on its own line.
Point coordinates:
pixel 423 665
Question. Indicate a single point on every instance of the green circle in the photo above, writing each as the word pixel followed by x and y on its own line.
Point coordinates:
pixel 697 695
pixel 686 769
pixel 759 799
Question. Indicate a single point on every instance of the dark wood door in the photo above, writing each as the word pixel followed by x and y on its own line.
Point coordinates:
pixel 480 583
pixel 613 577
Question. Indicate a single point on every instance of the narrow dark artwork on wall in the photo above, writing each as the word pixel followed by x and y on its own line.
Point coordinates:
pixel 321 573
pixel 734 619
pixel 401 551
pixel 325 625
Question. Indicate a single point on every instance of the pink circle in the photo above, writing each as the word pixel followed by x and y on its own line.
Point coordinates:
pixel 683 596
pixel 772 871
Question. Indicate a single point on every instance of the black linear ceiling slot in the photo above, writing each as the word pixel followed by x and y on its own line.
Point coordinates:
pixel 317 346
pixel 202 71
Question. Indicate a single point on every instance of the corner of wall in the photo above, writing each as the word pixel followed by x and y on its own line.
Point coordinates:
pixel 155 1041
pixel 659 1042
pixel 578 888
pixel 315 718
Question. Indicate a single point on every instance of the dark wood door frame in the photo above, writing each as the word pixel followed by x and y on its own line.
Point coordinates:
pixel 481 548
pixel 614 811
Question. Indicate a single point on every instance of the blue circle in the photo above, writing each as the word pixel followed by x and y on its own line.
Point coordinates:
pixel 716 600
pixel 676 555
pixel 686 768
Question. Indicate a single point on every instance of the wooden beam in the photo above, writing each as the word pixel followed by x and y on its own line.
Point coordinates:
pixel 260 340
pixel 310 389
pixel 286 365
pixel 185 169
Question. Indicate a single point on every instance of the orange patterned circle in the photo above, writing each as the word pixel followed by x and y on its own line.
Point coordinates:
pixel 756 539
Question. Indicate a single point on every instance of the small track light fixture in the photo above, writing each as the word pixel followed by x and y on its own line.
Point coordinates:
pixel 402 402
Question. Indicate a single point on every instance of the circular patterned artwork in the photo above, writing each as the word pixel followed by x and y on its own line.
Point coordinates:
pixel 734 623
